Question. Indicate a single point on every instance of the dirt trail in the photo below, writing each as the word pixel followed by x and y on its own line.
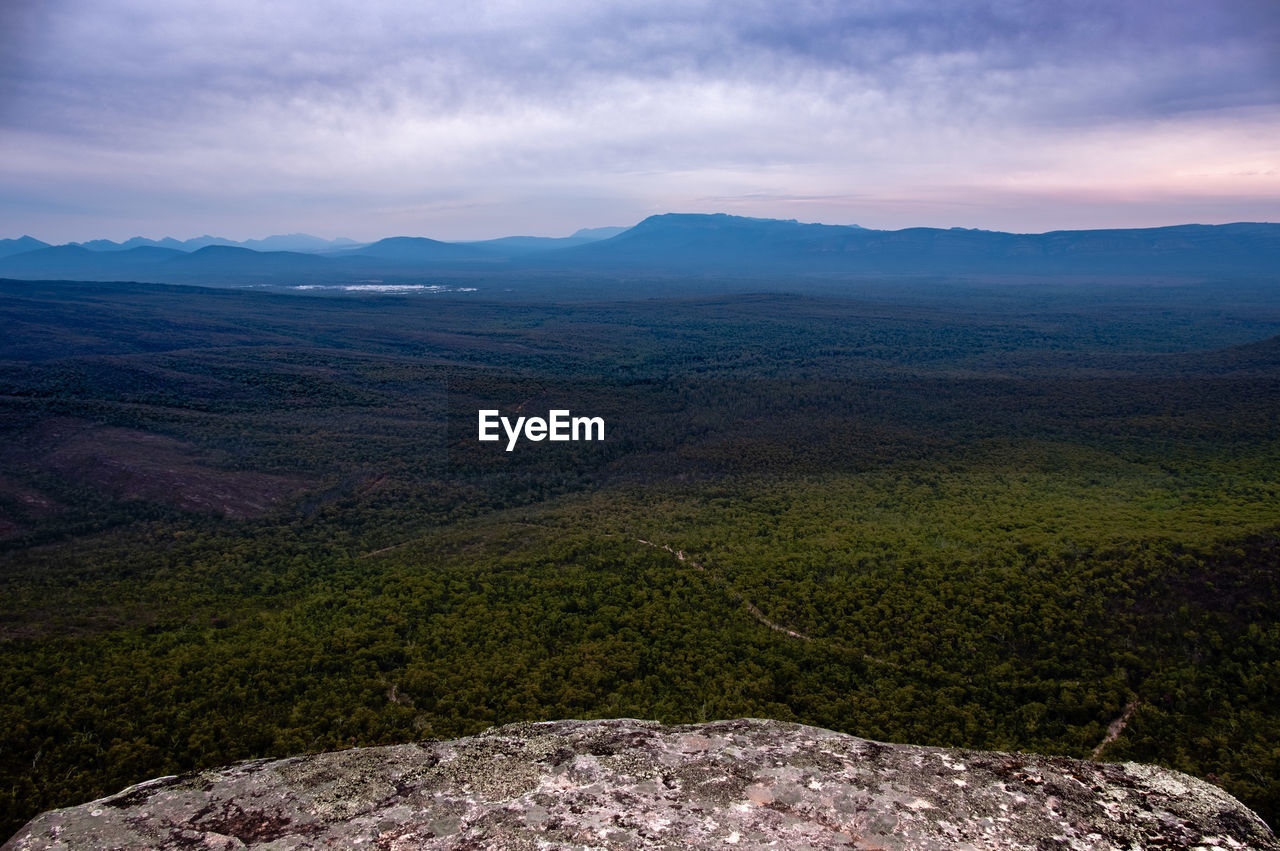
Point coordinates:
pixel 1116 727
pixel 388 549
pixel 733 592
pixel 759 615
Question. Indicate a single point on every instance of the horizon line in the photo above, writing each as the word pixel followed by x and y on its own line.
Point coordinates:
pixel 359 243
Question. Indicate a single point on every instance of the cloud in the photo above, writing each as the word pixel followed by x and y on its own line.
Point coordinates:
pixel 383 105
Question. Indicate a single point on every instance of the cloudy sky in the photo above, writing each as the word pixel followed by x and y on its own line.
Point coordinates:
pixel 244 118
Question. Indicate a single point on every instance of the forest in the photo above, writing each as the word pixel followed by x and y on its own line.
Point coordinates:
pixel 239 523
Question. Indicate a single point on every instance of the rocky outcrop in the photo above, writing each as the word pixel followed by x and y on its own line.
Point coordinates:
pixel 636 784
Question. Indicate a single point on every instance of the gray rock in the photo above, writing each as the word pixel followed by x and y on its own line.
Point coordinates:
pixel 637 784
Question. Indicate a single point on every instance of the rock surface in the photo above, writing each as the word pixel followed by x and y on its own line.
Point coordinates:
pixel 636 784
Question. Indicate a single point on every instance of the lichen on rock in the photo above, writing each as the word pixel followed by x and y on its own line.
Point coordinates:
pixel 625 784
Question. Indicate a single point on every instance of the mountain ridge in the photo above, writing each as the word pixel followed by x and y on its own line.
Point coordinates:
pixel 20 245
pixel 277 242
pixel 700 244
pixel 697 240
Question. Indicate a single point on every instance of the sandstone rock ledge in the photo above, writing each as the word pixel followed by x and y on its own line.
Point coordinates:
pixel 637 784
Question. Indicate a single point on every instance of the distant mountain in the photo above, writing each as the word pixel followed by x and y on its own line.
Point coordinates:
pixel 291 242
pixel 417 249
pixel 198 242
pixel 49 254
pixel 99 245
pixel 689 236
pixel 516 245
pixel 512 246
pixel 20 245
pixel 597 233
pixel 213 260
pixel 303 242
pixel 211 264
pixel 151 254
pixel 719 242
pixel 167 242
pixel 74 262
pixel 143 242
pixel 672 245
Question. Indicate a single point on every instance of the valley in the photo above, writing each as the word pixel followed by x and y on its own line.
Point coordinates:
pixel 237 523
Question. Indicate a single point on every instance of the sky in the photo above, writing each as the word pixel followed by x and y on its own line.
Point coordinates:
pixel 245 118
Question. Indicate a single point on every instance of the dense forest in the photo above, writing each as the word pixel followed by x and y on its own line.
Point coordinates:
pixel 241 524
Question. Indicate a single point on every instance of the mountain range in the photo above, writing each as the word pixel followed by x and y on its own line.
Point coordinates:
pixel 669 244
